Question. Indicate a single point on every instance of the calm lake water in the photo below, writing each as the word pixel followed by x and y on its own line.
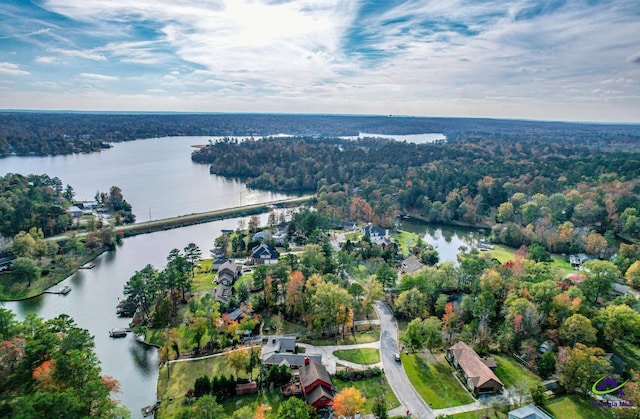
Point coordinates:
pixel 155 174
pixel 157 177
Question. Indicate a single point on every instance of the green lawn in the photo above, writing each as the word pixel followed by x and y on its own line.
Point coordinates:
pixel 364 356
pixel 271 397
pixel 371 388
pixel 405 240
pixel 512 373
pixel 574 406
pixel 489 412
pixel 203 279
pixel 502 253
pixel 434 381
pixel 178 377
pixel 365 337
pixel 275 324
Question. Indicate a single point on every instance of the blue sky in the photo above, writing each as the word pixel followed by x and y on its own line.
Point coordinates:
pixel 557 60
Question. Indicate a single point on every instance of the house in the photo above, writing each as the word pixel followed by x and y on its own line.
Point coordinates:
pixel 317 387
pixel 74 211
pixel 5 263
pixel 264 255
pixel 578 260
pixel 619 290
pixel 478 372
pixel 280 350
pixel 260 236
pixel 530 411
pixel 377 235
pixel 411 265
pixel 280 238
pixel 227 275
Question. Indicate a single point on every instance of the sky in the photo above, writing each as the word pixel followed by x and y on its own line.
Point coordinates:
pixel 573 60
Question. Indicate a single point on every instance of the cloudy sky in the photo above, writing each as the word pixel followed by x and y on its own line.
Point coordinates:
pixel 549 59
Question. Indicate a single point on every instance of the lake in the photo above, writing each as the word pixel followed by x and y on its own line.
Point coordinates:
pixel 159 180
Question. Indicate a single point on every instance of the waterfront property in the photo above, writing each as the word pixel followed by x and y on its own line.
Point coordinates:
pixel 478 372
pixel 227 276
pixel 264 255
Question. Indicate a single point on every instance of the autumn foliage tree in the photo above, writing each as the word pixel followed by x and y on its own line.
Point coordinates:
pixel 348 402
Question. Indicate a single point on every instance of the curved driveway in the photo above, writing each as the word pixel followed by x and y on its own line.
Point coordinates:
pixel 396 376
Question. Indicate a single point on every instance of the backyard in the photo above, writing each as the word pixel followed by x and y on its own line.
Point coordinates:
pixel 574 406
pixel 425 370
pixel 371 388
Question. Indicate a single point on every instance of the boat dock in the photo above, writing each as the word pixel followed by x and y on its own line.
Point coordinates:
pixel 119 332
pixel 150 410
pixel 62 291
pixel 88 265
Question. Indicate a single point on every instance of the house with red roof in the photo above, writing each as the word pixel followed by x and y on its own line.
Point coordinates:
pixel 478 372
pixel 317 387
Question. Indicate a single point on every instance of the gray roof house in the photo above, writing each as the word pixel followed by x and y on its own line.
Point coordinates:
pixel 227 275
pixel 377 235
pixel 530 411
pixel 264 255
pixel 280 350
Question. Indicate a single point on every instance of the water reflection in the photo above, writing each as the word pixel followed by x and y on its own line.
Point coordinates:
pixel 445 238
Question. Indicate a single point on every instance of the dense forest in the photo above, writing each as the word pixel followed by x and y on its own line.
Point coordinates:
pixel 33 133
pixel 553 194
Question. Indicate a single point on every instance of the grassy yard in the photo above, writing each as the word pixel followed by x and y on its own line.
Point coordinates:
pixel 364 356
pixel 405 240
pixel 175 379
pixel 502 253
pixel 489 412
pixel 629 353
pixel 512 373
pixel 277 325
pixel 203 279
pixel 371 388
pixel 432 378
pixel 365 337
pixel 574 406
pixel 271 397
pixel 559 264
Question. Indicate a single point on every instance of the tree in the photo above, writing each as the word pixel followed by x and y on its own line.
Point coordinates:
pixel 599 279
pixel 202 386
pixel 620 322
pixel 294 408
pixel 348 402
pixel 206 407
pixel 326 304
pixel 238 359
pixel 547 364
pixel 25 269
pixel 539 253
pixel 193 254
pixel 579 367
pixel 379 409
pixel 577 328
pixel 538 395
pixel 633 275
pixel 386 275
pixel 372 292
pixel 411 304
pixel 254 223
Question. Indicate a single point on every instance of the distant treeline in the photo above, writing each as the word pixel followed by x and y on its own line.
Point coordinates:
pixel 33 133
pixel 532 188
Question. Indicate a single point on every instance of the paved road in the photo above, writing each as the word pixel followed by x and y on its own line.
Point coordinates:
pixel 396 376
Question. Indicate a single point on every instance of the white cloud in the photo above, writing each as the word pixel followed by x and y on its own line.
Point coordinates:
pixel 46 60
pixel 85 54
pixel 12 69
pixel 100 77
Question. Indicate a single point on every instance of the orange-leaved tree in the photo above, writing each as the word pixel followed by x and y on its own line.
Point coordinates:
pixel 348 402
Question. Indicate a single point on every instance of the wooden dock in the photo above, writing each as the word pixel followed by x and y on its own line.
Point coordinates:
pixel 88 265
pixel 62 291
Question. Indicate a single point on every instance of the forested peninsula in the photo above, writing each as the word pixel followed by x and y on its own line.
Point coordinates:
pixel 55 133
pixel 568 198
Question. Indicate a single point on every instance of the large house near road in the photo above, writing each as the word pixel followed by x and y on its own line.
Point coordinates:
pixel 478 372
pixel 377 235
pixel 281 350
pixel 317 387
pixel 264 255
pixel 227 275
